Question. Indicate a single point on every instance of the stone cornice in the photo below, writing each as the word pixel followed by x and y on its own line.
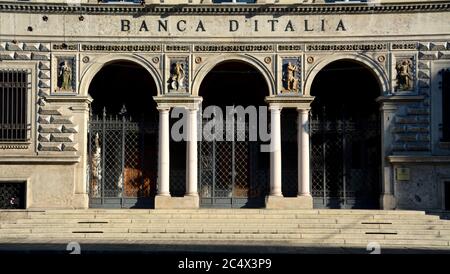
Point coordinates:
pixel 140 10
pixel 418 159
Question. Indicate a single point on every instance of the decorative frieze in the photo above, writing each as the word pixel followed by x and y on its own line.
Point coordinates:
pixel 290 47
pixel 348 47
pixel 177 48
pixel 234 48
pixel 116 48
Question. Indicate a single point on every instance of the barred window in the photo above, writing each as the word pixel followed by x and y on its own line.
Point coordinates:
pixel 446 106
pixel 13 105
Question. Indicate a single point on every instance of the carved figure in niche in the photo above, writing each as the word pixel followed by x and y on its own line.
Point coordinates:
pixel 290 80
pixel 96 170
pixel 177 76
pixel 65 76
pixel 404 75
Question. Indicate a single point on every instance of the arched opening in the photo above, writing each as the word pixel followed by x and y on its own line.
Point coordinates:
pixel 123 137
pixel 233 173
pixel 345 137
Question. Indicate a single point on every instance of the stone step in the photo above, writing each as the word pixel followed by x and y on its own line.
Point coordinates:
pixel 233 211
pixel 319 238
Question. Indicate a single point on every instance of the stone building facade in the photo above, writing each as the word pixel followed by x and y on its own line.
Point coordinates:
pixel 51 51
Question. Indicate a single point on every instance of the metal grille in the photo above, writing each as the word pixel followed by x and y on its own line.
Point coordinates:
pixel 226 176
pixel 13 105
pixel 446 105
pixel 345 164
pixel 12 195
pixel 121 172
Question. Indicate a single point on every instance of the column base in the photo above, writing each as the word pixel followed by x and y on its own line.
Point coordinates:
pixel 299 202
pixel 168 202
pixel 388 201
pixel 80 201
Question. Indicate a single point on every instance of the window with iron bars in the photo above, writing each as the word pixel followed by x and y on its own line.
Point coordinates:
pixel 13 105
pixel 446 106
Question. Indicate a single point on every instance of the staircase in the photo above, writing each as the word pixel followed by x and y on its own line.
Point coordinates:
pixel 344 228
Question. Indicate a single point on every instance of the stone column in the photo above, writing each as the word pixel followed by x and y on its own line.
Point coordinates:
pixel 191 154
pixel 303 153
pixel 275 153
pixel 164 152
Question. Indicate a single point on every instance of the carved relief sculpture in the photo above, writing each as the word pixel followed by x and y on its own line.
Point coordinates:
pixel 177 76
pixel 405 76
pixel 290 79
pixel 65 75
pixel 96 170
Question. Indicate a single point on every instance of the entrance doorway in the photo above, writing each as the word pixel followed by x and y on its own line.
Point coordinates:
pixel 122 138
pixel 233 173
pixel 345 137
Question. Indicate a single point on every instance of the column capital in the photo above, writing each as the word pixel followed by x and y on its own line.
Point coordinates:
pixel 275 107
pixel 163 108
pixel 303 109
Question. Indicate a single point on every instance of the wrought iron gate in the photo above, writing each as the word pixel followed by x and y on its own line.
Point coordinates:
pixel 228 175
pixel 121 169
pixel 345 161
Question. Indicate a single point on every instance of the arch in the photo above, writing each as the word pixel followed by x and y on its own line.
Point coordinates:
pixel 248 59
pixel 364 60
pixel 92 70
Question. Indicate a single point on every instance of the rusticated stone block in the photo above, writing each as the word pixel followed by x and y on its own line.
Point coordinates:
pixel 405 120
pixel 44 83
pixel 405 137
pixel 423 74
pixel 49 128
pixel 39 56
pixel 2 46
pixel 398 129
pixel 44 91
pixel 424 46
pixel 50 146
pixel 424 65
pixel 44 47
pixel 412 128
pixel 428 56
pixel 423 137
pixel 424 83
pixel 418 111
pixel 50 110
pixel 44 119
pixel 63 119
pixel 7 56
pixel 44 74
pixel 22 56
pixel 422 120
pixel 61 137
pixel 31 46
pixel 417 147
pixel 44 65
pixel 14 46
pixel 70 147
pixel 398 147
pixel 69 129
pixel 444 55
pixel 438 46
pixel 44 137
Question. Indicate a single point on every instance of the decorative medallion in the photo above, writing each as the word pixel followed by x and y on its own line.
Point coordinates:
pixel 198 60
pixel 310 60
pixel 381 58
pixel 85 59
pixel 268 60
pixel 155 60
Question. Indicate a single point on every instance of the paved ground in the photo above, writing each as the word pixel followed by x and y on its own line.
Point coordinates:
pixel 136 247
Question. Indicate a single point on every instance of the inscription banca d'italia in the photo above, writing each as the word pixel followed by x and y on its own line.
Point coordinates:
pixel 233 25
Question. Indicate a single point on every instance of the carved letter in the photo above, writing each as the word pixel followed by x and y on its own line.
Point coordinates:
pixel 179 25
pixel 143 26
pixel 200 26
pixel 256 25
pixel 289 26
pixel 341 26
pixel 323 25
pixel 162 25
pixel 306 26
pixel 273 23
pixel 125 25
pixel 234 25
